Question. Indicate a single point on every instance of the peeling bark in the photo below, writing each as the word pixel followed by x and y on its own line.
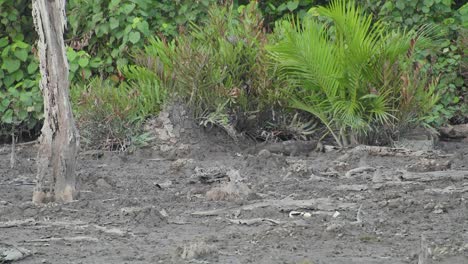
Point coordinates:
pixel 59 140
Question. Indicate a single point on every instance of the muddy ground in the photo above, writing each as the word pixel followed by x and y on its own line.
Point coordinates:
pixel 210 201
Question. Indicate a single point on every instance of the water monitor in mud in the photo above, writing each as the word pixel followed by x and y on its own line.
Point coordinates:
pixel 288 148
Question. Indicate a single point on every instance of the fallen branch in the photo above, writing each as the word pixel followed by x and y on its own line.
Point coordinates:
pixel 73 224
pixel 324 204
pixel 358 170
pixel 66 239
pixel 396 152
pixel 17 223
pixel 253 221
pixel 452 175
pixel 321 204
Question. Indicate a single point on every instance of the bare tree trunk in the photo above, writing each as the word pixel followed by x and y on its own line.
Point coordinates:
pixel 59 140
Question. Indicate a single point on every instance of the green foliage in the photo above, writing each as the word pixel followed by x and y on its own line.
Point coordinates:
pixel 20 98
pixel 353 74
pixel 111 117
pixel 274 10
pixel 452 19
pixel 108 30
pixel 220 63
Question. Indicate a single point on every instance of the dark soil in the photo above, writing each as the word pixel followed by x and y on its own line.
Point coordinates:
pixel 139 208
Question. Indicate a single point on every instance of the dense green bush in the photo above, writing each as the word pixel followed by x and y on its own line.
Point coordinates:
pixel 20 98
pixel 452 19
pixel 100 35
pixel 356 76
pixel 107 30
pixel 221 69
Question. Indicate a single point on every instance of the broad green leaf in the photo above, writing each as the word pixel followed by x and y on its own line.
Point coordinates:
pixel 4 104
pixel 428 3
pixel 113 4
pixel 21 54
pixel 21 45
pixel 83 62
pixel 292 5
pixel 3 42
pixel 114 23
pixel 26 98
pixel 8 80
pixel 7 117
pixel 32 67
pixel 71 54
pixel 127 8
pixel 144 28
pixel 134 37
pixel 11 65
pixel 22 115
pixel 18 75
pixel 400 4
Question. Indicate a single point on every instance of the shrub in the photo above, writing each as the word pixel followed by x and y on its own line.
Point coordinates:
pixel 108 30
pixel 446 58
pixel 220 68
pixel 111 117
pixel 352 74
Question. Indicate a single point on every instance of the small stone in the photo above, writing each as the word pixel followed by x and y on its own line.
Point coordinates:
pixel 438 211
pixel 334 227
pixel 307 215
pixel 101 183
pixel 264 153
pixel 336 214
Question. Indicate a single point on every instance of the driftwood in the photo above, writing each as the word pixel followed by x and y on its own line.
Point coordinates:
pixel 17 223
pixel 254 221
pixel 321 204
pixel 396 152
pixel 73 224
pixel 452 175
pixel 66 239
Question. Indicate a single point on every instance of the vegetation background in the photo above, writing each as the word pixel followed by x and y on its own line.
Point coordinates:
pixel 128 57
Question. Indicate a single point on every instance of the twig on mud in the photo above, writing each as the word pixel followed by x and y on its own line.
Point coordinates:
pixel 397 152
pixel 357 170
pixel 74 224
pixel 358 217
pixel 253 221
pixel 67 239
pixel 17 223
pixel 111 231
pixel 160 159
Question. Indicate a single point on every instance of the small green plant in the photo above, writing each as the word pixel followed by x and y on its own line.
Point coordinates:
pixel 348 71
pixel 111 117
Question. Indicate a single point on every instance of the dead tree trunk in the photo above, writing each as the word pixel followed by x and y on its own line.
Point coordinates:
pixel 59 140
